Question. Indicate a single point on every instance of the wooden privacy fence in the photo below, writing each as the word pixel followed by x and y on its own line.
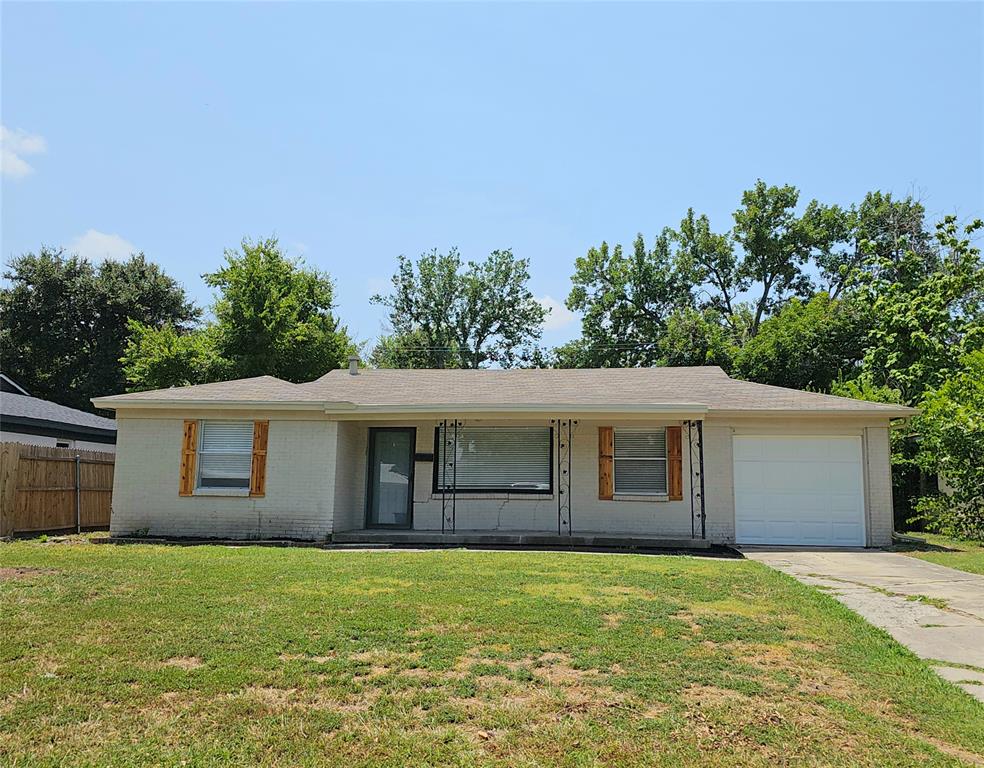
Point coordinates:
pixel 49 489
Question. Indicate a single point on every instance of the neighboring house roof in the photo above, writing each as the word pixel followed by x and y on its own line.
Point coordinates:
pixel 695 389
pixel 7 384
pixel 32 415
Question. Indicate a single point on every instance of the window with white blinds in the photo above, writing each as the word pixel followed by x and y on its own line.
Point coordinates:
pixel 640 461
pixel 225 454
pixel 495 459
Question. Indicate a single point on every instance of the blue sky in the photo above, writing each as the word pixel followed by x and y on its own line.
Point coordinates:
pixel 356 133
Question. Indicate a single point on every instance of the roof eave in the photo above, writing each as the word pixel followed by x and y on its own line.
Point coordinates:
pixel 448 408
pixel 113 403
pixel 900 412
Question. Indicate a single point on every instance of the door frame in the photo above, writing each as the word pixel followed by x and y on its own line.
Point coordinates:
pixel 370 444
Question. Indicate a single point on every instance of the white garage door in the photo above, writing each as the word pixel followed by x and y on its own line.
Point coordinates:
pixel 799 490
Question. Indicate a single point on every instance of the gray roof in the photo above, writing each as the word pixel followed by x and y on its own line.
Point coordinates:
pixel 705 387
pixel 256 390
pixel 25 407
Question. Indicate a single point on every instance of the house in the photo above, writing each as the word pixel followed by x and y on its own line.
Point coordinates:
pixel 26 419
pixel 687 456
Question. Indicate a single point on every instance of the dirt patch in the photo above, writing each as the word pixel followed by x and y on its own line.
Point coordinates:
pixel 951 750
pixel 477 656
pixel 184 662
pixel 271 698
pixel 307 657
pixel 613 620
pixel 555 668
pixel 24 572
pixel 689 619
pixel 416 672
pixel 711 695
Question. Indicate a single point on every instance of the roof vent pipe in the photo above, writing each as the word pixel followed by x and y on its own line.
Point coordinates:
pixel 353 365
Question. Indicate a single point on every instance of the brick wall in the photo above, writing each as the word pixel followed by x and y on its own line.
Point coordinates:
pixel 299 494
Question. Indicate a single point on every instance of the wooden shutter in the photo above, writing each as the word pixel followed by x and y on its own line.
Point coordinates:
pixel 257 476
pixel 606 463
pixel 189 446
pixel 674 462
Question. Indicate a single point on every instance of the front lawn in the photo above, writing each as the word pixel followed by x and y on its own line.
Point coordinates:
pixel 153 655
pixel 953 553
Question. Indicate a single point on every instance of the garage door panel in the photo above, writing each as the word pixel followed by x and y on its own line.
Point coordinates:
pixel 749 475
pixel 800 490
pixel 845 478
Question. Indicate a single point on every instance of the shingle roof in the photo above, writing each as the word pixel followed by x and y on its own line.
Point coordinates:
pixel 25 407
pixel 256 390
pixel 703 387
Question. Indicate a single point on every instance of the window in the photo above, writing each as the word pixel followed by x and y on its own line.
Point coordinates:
pixel 225 454
pixel 496 459
pixel 63 443
pixel 640 462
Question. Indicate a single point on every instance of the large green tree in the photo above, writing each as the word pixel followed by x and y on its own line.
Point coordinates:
pixel 626 301
pixel 950 433
pixel 273 316
pixel 738 278
pixel 923 322
pixel 64 321
pixel 448 313
pixel 874 237
pixel 806 345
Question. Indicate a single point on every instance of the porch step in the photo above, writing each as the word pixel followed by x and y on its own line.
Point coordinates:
pixel 514 539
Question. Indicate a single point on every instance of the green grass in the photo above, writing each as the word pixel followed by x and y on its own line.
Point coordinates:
pixel 151 655
pixel 953 553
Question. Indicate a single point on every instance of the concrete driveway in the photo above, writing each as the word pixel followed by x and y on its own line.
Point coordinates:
pixel 935 611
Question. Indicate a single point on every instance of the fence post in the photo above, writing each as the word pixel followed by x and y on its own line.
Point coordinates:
pixel 78 493
pixel 9 461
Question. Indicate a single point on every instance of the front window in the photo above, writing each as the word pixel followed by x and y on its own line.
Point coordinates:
pixel 495 459
pixel 640 462
pixel 225 454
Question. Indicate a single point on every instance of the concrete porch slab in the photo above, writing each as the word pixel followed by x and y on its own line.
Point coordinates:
pixel 515 539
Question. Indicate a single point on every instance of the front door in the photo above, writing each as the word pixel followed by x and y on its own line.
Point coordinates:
pixel 390 499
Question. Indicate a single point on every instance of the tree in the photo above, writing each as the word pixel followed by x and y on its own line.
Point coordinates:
pixel 924 323
pixel 806 345
pixel 924 320
pixel 409 350
pixel 626 302
pixel 273 316
pixel 65 321
pixel 736 278
pixel 951 445
pixel 697 337
pixel 157 358
pixel 872 237
pixel 466 315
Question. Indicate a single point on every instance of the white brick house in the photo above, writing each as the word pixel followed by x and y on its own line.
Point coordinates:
pixel 657 454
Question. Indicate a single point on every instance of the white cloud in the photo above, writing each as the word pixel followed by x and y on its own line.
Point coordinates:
pixel 96 246
pixel 558 317
pixel 14 144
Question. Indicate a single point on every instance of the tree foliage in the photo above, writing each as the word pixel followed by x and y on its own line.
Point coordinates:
pixel 774 299
pixel 924 320
pixel 626 301
pixel 161 357
pixel 951 444
pixel 409 350
pixel 452 314
pixel 806 345
pixel 273 316
pixel 65 321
